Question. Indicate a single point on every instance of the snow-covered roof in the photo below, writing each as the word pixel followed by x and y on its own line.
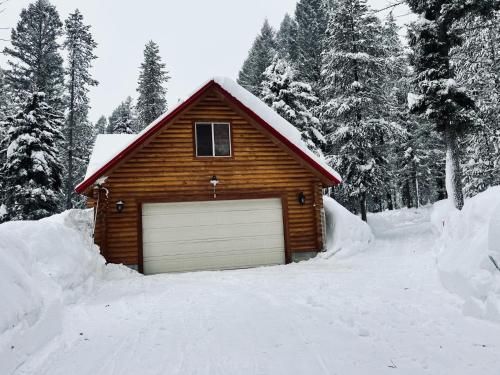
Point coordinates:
pixel 106 146
pixel 111 148
pixel 271 117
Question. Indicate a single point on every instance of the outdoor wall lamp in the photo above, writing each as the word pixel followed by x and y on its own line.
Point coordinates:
pixel 120 205
pixel 214 181
pixel 301 198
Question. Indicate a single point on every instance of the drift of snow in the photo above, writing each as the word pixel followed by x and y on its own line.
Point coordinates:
pixel 468 239
pixel 347 234
pixel 44 265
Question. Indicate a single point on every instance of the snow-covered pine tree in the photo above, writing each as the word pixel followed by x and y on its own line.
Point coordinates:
pixel 101 126
pixel 32 173
pixel 78 131
pixel 153 77
pixel 5 105
pixel 259 58
pixel 35 63
pixel 4 110
pixel 354 69
pixel 4 98
pixel 394 52
pixel 312 19
pixel 396 108
pixel 420 161
pixel 123 119
pixel 477 64
pixel 293 100
pixel 286 39
pixel 440 98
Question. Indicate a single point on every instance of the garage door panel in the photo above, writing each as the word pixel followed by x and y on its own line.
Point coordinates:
pixel 193 247
pixel 212 206
pixel 209 219
pixel 214 262
pixel 210 232
pixel 188 236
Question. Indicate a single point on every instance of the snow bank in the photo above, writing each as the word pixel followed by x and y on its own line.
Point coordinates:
pixel 44 265
pixel 347 234
pixel 468 239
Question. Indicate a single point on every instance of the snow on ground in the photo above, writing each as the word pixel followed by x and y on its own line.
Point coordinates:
pixel 346 234
pixel 381 311
pixel 468 239
pixel 44 265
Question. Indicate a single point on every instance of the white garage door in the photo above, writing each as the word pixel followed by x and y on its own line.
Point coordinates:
pixel 212 235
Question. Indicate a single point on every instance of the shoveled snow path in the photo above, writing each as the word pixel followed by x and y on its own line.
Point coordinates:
pixel 382 312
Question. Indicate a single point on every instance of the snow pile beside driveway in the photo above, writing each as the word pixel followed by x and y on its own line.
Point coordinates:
pixel 468 239
pixel 44 265
pixel 346 234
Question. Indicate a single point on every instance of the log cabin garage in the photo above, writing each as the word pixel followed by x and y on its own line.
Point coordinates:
pixel 219 182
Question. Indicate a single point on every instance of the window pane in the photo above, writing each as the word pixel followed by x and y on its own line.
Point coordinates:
pixel 204 140
pixel 222 140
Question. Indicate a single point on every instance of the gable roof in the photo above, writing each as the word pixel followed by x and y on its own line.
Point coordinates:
pixel 111 149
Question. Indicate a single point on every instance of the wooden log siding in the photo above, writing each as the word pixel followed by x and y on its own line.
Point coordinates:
pixel 167 169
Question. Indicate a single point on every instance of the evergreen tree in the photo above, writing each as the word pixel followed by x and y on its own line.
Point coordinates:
pixel 4 99
pixel 292 100
pixel 394 88
pixel 286 39
pixel 354 68
pixel 152 92
pixel 32 172
pixel 4 110
pixel 420 162
pixel 78 131
pixel 34 58
pixel 481 157
pixel 312 19
pixel 259 58
pixel 101 125
pixel 440 98
pixel 394 52
pixel 477 67
pixel 123 120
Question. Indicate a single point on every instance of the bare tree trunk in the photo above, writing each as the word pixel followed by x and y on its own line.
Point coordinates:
pixel 453 169
pixel 407 194
pixel 362 206
pixel 441 189
pixel 390 203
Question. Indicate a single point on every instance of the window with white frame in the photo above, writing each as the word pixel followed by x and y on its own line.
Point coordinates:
pixel 213 139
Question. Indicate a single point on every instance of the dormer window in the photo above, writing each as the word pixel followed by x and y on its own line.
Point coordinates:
pixel 213 139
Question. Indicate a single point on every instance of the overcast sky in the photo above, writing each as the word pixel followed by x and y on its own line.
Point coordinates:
pixel 198 39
